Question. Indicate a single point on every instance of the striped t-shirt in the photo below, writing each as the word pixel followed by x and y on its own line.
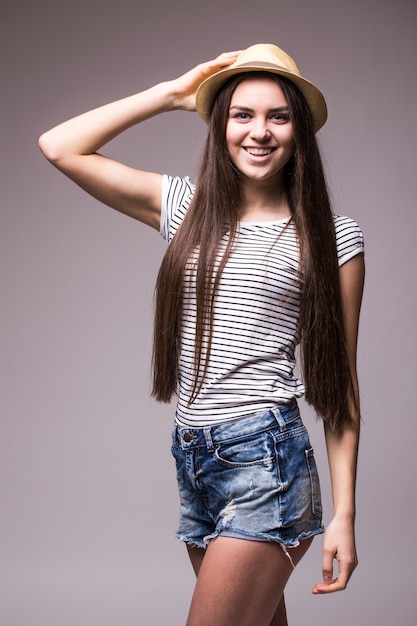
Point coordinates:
pixel 255 334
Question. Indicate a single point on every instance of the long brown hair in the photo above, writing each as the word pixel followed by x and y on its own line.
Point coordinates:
pixel 213 212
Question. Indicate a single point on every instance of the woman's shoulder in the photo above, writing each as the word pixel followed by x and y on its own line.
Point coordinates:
pixel 176 187
pixel 177 193
pixel 349 237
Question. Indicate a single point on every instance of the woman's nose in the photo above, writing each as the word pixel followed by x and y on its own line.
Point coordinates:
pixel 260 130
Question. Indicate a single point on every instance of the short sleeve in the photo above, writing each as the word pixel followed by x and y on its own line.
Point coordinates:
pixel 349 238
pixel 177 193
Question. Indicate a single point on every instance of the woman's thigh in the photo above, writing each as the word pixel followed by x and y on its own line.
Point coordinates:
pixel 240 581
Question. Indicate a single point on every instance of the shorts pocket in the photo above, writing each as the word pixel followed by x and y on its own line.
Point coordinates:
pixel 316 504
pixel 248 451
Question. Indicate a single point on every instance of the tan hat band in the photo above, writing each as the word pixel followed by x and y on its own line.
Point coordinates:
pixel 263 64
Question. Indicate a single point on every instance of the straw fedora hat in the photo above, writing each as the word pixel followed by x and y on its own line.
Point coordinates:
pixel 262 57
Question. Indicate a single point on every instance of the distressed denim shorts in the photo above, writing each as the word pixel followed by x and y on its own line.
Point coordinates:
pixel 252 478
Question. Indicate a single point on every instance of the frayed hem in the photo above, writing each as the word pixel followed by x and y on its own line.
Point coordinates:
pixel 285 546
pixel 191 542
pixel 242 534
pixel 287 554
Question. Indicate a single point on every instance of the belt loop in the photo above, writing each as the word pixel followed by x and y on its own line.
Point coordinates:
pixel 207 436
pixel 277 414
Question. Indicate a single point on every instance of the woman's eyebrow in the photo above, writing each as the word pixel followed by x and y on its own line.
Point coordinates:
pixel 248 109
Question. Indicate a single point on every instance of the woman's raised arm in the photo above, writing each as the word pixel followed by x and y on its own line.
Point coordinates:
pixel 73 145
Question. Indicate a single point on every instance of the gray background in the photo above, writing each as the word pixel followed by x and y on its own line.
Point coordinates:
pixel 88 496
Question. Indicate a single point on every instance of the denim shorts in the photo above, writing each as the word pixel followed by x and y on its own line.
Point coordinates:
pixel 252 478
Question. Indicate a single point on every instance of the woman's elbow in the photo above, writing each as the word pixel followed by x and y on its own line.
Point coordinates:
pixel 50 147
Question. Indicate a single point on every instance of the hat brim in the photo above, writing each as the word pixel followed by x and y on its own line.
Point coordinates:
pixel 209 88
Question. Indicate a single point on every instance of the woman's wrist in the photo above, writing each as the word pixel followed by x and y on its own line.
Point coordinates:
pixel 345 514
pixel 176 99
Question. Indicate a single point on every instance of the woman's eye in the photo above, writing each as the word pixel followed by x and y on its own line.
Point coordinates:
pixel 280 117
pixel 242 116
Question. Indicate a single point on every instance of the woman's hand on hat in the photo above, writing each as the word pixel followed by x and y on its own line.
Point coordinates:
pixel 184 88
pixel 338 544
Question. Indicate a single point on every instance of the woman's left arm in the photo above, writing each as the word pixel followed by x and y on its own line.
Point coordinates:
pixel 342 450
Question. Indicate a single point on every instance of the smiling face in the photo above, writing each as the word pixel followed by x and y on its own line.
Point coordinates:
pixel 259 133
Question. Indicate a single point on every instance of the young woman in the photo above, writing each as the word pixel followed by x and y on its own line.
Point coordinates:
pixel 257 264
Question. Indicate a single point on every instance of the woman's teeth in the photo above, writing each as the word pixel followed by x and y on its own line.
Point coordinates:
pixel 259 151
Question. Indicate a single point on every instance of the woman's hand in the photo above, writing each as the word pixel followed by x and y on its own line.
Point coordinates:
pixel 185 87
pixel 338 544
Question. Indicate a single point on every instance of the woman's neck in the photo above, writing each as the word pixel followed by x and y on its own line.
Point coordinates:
pixel 263 203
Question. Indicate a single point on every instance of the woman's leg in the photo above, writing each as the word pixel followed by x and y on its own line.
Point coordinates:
pixel 196 557
pixel 280 616
pixel 241 582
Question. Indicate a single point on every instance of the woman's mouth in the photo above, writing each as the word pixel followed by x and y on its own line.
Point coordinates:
pixel 259 151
